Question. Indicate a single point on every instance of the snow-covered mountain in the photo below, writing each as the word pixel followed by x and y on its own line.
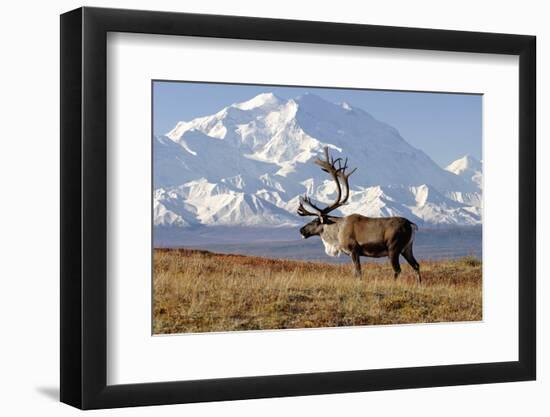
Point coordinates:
pixel 248 164
pixel 467 167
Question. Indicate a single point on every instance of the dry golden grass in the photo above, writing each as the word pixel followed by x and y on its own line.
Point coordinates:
pixel 199 291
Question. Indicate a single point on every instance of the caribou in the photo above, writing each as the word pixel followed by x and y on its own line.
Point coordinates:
pixel 356 235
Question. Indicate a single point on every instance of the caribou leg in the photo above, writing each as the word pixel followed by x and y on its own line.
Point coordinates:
pixel 408 255
pixel 356 263
pixel 394 259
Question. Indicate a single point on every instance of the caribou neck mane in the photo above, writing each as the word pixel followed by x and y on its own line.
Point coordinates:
pixel 330 238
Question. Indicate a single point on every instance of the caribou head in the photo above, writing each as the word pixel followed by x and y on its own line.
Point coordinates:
pixel 337 170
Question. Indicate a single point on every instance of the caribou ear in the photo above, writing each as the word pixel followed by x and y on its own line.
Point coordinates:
pixel 325 220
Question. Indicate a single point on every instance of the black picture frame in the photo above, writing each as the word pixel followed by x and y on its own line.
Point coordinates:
pixel 84 207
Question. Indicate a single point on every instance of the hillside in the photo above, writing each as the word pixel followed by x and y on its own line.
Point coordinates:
pixel 200 291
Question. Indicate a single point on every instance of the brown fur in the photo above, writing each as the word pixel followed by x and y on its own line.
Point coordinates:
pixel 357 235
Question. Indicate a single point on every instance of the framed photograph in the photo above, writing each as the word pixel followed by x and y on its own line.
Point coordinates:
pixel 258 208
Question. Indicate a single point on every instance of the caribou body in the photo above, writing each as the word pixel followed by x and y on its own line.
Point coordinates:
pixel 356 235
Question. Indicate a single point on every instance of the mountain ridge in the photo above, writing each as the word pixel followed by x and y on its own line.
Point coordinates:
pixel 248 163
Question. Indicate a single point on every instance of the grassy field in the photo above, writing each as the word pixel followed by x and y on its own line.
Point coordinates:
pixel 199 291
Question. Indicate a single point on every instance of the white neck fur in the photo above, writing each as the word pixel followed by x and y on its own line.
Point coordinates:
pixel 332 248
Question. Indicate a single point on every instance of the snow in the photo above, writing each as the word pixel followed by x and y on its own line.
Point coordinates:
pixel 467 167
pixel 248 164
pixel 261 100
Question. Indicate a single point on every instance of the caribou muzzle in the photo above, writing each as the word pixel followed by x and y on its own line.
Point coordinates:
pixel 304 232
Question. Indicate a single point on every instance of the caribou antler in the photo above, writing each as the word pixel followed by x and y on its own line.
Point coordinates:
pixel 337 171
pixel 302 211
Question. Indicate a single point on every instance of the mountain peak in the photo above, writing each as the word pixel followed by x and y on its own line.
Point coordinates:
pixel 261 100
pixel 467 167
pixel 346 106
pixel 467 162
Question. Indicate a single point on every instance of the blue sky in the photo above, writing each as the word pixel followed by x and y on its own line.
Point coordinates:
pixel 445 126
